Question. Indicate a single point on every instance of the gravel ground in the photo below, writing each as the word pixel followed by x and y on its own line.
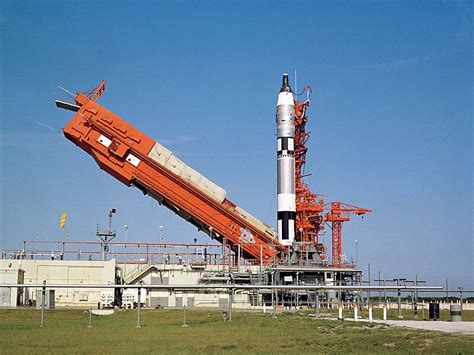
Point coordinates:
pixel 441 326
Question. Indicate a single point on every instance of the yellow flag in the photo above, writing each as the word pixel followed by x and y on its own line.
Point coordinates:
pixel 63 219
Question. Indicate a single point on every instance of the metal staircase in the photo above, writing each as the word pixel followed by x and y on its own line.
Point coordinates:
pixel 136 273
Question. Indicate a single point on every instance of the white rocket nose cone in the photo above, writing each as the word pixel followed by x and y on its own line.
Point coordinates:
pixel 285 85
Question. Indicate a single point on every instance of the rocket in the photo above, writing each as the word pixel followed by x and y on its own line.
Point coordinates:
pixel 285 120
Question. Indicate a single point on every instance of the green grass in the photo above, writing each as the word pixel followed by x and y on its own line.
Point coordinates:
pixel 66 332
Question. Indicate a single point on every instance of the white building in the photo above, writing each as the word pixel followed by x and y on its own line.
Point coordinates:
pixel 60 272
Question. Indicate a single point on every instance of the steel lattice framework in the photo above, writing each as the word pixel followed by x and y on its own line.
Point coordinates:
pixel 310 207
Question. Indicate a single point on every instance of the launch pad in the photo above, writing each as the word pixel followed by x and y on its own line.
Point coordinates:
pixel 248 251
pixel 173 264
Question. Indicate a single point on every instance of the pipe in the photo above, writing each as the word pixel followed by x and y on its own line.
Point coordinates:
pixel 404 288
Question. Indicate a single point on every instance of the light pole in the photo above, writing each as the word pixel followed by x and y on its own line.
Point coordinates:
pixel 357 252
pixel 106 236
pixel 162 238
pixel 195 249
pixel 125 227
pixel 111 214
pixel 399 281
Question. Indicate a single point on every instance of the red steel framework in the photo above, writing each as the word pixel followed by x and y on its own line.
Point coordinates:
pixel 338 213
pixel 310 207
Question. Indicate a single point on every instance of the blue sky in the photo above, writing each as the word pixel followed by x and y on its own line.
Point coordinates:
pixel 391 116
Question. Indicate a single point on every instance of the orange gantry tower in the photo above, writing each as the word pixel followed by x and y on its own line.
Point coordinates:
pixel 310 207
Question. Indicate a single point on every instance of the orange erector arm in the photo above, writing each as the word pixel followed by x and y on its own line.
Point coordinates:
pixel 135 159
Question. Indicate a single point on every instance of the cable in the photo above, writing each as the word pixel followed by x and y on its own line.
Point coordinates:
pixel 307 88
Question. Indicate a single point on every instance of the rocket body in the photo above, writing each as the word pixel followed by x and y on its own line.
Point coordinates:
pixel 285 120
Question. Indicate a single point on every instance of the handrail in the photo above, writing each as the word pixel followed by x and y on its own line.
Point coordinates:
pixel 235 287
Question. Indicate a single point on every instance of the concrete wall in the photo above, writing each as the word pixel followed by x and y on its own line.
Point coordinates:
pixel 65 272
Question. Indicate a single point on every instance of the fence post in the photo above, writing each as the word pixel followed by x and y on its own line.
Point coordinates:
pixel 273 300
pixel 370 313
pixel 139 306
pixel 90 318
pixel 317 303
pixel 356 309
pixel 399 303
pixel 231 294
pixel 385 311
pixel 184 317
pixel 43 300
